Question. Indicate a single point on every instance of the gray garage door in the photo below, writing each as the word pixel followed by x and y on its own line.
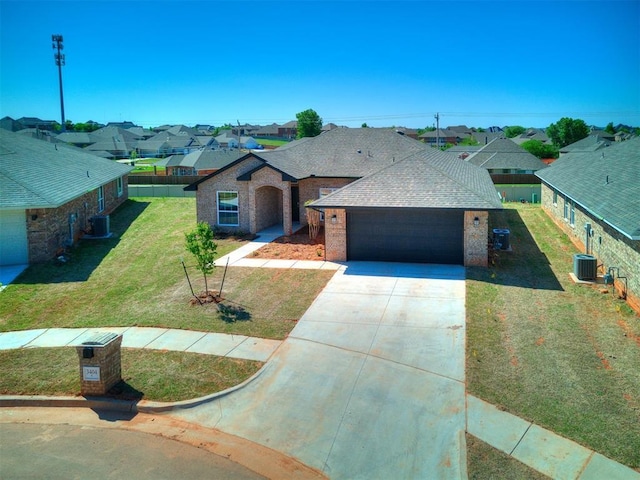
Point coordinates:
pixel 13 238
pixel 397 235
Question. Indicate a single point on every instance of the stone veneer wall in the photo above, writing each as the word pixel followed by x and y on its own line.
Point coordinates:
pixel 610 247
pixel 476 252
pixel 335 235
pixel 49 231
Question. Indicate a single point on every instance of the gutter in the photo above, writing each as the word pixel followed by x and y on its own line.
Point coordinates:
pixel 595 215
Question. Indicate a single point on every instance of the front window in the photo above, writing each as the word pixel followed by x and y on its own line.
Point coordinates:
pixel 566 208
pixel 100 198
pixel 119 186
pixel 572 219
pixel 228 209
pixel 555 197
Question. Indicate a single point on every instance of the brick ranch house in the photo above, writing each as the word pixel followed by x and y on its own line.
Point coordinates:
pixel 48 195
pixel 594 197
pixel 385 197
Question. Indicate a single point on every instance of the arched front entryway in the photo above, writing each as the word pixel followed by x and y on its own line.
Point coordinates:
pixel 268 208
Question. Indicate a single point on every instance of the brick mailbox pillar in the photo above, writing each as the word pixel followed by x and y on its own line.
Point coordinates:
pixel 99 363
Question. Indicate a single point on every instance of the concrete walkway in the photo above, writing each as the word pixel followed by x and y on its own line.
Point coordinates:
pixel 223 345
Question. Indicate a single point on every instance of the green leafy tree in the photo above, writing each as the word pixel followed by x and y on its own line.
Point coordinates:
pixel 200 243
pixel 609 128
pixel 539 149
pixel 426 129
pixel 309 123
pixel 567 131
pixel 364 125
pixel 469 141
pixel 513 131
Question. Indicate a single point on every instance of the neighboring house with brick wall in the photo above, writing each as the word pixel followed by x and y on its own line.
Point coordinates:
pixel 420 204
pixel 600 189
pixel 49 194
pixel 200 162
pixel 512 169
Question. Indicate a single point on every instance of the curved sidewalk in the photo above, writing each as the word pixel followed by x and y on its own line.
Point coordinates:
pixel 220 344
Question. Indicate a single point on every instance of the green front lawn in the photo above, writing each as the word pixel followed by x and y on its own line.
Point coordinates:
pixel 137 278
pixel 564 356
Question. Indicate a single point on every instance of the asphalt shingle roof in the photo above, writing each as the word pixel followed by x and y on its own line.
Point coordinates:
pixel 210 159
pixel 343 152
pixel 37 174
pixel 502 153
pixel 605 182
pixel 426 179
pixel 587 144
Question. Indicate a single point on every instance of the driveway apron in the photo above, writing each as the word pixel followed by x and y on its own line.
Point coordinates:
pixel 369 384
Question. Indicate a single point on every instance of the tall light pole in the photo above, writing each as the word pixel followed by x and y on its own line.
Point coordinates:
pixel 59 58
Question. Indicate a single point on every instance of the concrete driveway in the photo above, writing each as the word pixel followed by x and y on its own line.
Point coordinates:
pixel 369 384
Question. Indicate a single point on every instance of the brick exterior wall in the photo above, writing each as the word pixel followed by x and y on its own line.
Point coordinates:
pixel 269 201
pixel 207 198
pixel 335 235
pixel 50 231
pixel 475 239
pixel 262 202
pixel 611 248
pixel 108 359
pixel 310 190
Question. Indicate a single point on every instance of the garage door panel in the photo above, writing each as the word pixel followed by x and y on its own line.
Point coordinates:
pixel 424 236
pixel 13 238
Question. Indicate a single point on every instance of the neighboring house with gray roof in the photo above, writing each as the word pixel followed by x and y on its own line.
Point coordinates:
pixel 35 122
pixel 484 138
pixel 167 143
pixel 532 134
pixel 438 203
pixel 267 131
pixel 512 169
pixel 592 143
pixel 441 137
pixel 203 162
pixel 77 139
pixel 600 189
pixel 8 123
pixel 502 155
pixel 49 196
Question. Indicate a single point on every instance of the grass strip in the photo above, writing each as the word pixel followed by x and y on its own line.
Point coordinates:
pixel 561 355
pixel 147 374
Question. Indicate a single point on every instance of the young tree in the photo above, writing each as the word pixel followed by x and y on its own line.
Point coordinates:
pixel 200 243
pixel 513 131
pixel 309 123
pixel 567 131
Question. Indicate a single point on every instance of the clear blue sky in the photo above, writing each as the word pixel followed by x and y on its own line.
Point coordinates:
pixel 385 63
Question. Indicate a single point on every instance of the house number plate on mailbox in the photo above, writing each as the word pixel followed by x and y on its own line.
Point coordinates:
pixel 91 374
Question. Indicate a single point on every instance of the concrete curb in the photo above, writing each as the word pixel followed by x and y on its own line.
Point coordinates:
pixel 113 404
